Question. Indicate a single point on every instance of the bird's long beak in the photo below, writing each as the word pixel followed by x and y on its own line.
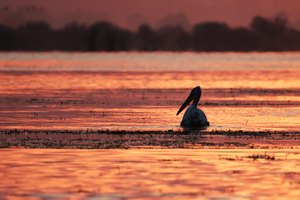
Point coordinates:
pixel 187 101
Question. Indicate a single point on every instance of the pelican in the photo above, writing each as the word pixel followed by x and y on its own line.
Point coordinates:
pixel 193 117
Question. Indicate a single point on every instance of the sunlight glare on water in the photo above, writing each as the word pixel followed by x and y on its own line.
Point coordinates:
pixel 143 91
pixel 157 61
pixel 149 174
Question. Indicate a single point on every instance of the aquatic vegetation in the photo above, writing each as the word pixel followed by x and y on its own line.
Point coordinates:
pixel 261 156
pixel 107 139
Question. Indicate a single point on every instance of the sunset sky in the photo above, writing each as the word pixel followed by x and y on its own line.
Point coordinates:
pixel 132 13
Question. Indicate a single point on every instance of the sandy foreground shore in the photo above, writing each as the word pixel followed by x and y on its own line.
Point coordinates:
pixel 105 139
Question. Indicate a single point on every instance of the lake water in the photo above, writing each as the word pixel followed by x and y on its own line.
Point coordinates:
pixel 143 91
pixel 149 174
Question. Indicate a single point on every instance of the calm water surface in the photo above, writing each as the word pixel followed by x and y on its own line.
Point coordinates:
pixel 149 174
pixel 143 91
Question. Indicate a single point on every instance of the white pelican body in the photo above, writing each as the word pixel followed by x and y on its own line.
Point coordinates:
pixel 193 117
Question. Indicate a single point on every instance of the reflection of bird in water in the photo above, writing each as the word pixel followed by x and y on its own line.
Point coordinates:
pixel 193 117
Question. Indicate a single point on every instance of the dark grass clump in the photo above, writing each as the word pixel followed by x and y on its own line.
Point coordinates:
pixel 261 156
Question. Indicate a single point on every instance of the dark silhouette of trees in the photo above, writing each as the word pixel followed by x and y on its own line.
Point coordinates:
pixel 35 36
pixel 7 38
pixel 104 36
pixel 241 39
pixel 173 38
pixel 146 39
pixel 274 35
pixel 211 36
pixel 262 35
pixel 269 33
pixel 72 38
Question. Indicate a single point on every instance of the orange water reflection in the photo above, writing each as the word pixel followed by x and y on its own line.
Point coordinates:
pixel 151 118
pixel 142 62
pixel 148 109
pixel 138 80
pixel 255 91
pixel 148 174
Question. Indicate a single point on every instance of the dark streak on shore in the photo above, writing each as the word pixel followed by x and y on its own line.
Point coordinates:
pixel 106 139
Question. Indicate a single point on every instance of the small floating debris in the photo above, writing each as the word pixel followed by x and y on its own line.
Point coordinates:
pixel 262 156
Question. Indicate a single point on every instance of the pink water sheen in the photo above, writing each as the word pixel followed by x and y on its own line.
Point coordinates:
pixel 149 174
pixel 142 91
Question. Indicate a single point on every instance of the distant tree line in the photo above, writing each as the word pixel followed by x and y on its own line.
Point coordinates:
pixel 262 35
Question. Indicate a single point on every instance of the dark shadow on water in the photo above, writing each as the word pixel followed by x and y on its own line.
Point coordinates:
pixel 194 130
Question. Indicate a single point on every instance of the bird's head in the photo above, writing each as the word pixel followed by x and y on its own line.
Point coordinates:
pixel 194 95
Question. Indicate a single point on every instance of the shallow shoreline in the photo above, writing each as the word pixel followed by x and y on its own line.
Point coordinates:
pixel 106 139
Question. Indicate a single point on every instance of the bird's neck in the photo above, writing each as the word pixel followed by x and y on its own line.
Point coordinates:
pixel 196 100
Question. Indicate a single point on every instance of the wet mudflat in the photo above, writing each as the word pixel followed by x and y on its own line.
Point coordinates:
pixel 188 139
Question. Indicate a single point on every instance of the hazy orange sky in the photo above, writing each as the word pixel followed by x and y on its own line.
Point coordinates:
pixel 131 13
